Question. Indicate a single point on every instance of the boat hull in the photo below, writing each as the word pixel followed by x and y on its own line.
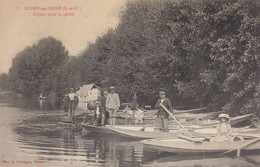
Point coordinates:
pixel 97 129
pixel 145 132
pixel 187 147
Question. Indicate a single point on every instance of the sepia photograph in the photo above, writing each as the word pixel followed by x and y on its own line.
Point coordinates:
pixel 129 83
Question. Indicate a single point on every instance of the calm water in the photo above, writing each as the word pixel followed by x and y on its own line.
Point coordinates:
pixel 36 138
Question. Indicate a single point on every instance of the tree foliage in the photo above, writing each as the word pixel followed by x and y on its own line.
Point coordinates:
pixel 35 69
pixel 203 53
pixel 4 82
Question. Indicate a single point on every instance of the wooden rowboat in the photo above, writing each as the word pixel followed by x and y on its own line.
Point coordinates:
pixel 177 145
pixel 201 161
pixel 97 129
pixel 145 132
pixel 233 120
pixel 107 129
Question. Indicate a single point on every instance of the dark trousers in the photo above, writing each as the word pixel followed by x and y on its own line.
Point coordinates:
pixel 72 107
pixel 66 108
pixel 100 117
pixel 164 123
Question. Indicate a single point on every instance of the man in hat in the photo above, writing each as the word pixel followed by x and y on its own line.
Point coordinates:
pixel 112 105
pixel 72 96
pixel 99 113
pixel 162 114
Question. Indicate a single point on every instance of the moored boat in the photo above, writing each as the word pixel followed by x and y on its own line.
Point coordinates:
pixel 145 132
pixel 107 129
pixel 177 145
pixel 97 129
pixel 233 120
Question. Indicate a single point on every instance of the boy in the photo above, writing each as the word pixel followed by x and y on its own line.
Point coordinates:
pixel 99 114
pixel 161 114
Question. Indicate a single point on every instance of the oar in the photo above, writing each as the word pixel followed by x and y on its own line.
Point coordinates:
pixel 175 119
pixel 84 117
pixel 244 145
pixel 243 128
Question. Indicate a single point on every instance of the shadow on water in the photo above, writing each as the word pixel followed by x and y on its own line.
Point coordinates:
pixel 42 137
pixel 34 104
pixel 63 144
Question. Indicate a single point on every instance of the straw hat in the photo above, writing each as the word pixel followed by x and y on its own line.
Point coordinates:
pixel 223 116
pixel 112 87
pixel 97 102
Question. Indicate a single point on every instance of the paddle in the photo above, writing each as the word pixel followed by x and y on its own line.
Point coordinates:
pixel 175 119
pixel 243 128
pixel 244 145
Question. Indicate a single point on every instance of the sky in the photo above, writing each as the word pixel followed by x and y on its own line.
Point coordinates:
pixel 24 22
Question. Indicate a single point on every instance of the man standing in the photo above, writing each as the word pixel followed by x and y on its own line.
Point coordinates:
pixel 112 105
pixel 65 103
pixel 103 104
pixel 72 102
pixel 161 114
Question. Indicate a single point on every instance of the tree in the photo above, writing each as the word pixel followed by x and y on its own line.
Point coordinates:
pixel 4 82
pixel 34 70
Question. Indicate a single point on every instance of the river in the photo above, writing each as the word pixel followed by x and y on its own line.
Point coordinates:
pixel 35 138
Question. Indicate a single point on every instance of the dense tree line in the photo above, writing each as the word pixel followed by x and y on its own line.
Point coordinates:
pixel 36 69
pixel 203 53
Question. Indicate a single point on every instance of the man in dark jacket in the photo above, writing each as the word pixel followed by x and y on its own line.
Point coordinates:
pixel 162 114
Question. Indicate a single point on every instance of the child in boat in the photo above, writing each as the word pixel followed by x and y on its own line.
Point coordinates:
pixel 99 114
pixel 139 116
pixel 224 130
pixel 129 114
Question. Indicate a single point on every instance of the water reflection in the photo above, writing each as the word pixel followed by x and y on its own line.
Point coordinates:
pixel 113 150
pixel 38 136
pixel 35 104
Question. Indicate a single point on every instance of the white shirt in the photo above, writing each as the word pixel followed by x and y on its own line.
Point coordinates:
pixel 97 111
pixel 112 101
pixel 72 96
pixel 162 100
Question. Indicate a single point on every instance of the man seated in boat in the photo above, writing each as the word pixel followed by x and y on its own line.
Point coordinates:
pixel 223 130
pixel 99 114
pixel 161 114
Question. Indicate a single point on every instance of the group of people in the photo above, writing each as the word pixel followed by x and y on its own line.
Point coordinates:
pixel 223 129
pixel 107 107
